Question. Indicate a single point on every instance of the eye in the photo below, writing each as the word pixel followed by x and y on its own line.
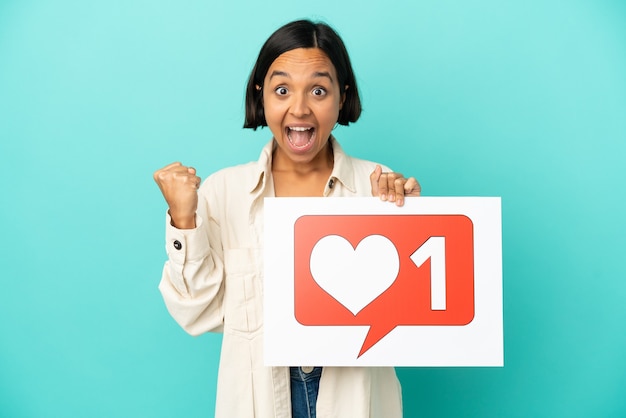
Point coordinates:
pixel 319 91
pixel 281 91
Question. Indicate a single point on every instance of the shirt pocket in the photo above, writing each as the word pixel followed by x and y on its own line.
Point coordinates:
pixel 243 310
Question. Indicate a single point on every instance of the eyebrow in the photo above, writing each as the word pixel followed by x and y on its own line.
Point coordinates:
pixel 316 74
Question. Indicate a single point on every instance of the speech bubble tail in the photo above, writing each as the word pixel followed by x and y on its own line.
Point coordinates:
pixel 375 334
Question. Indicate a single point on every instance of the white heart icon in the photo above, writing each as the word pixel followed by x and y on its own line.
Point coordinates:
pixel 354 276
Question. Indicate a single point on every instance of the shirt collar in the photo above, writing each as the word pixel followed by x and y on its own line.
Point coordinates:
pixel 263 169
pixel 342 168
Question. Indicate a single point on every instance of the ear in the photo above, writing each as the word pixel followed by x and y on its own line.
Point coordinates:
pixel 258 88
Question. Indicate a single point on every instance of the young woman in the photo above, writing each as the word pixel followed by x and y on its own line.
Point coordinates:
pixel 300 87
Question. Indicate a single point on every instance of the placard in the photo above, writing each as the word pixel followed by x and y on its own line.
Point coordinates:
pixel 361 282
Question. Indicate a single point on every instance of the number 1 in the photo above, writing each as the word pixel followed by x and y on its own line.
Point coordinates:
pixel 435 249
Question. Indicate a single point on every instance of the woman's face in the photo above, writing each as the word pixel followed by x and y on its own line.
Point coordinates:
pixel 302 99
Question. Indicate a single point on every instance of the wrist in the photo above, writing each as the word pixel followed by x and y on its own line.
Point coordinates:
pixel 183 221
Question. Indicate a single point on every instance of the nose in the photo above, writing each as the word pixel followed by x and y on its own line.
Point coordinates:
pixel 300 105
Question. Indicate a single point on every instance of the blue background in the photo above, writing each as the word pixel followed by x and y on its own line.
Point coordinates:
pixel 520 99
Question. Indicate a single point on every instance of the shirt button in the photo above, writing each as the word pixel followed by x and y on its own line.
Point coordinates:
pixel 178 245
pixel 306 369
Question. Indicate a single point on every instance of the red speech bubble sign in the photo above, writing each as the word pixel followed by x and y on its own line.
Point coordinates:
pixel 433 265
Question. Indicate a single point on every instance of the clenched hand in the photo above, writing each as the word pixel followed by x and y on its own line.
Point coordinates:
pixel 179 185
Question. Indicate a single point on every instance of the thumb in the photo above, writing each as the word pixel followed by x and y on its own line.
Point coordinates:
pixel 374 177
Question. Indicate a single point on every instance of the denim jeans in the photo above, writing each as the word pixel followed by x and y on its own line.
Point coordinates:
pixel 304 388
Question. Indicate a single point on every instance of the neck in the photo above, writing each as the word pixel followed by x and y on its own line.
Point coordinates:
pixel 322 162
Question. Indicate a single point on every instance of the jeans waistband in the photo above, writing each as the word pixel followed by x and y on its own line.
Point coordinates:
pixel 300 373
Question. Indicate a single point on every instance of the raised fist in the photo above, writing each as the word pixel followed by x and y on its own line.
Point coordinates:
pixel 179 185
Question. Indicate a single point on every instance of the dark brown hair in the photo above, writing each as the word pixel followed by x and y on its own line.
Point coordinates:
pixel 302 34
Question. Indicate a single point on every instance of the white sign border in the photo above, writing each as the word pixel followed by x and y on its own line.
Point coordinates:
pixel 289 343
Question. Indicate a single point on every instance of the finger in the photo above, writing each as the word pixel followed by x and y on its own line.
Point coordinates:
pixel 169 167
pixel 383 186
pixel 186 179
pixel 159 173
pixel 165 172
pixel 191 170
pixel 392 188
pixel 399 190
pixel 412 187
pixel 374 178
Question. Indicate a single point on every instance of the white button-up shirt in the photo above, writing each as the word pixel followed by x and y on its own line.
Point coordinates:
pixel 213 281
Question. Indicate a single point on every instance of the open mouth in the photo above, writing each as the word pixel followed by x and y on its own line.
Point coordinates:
pixel 300 137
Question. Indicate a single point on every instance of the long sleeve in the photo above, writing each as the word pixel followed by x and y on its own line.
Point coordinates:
pixel 192 283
